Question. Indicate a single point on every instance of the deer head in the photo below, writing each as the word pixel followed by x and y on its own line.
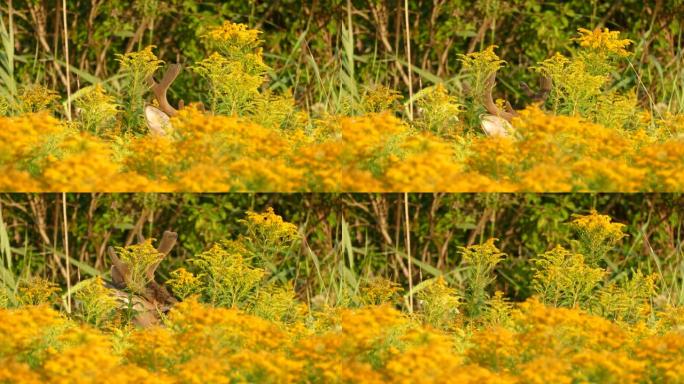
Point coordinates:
pixel 498 122
pixel 154 299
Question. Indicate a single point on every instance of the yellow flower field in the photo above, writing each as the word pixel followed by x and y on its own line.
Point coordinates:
pixel 376 152
pixel 533 343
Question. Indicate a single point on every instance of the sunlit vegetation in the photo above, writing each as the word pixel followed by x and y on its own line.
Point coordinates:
pixel 592 124
pixel 238 310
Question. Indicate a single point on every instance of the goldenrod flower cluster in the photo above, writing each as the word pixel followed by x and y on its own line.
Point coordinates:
pixel 604 40
pixel 199 343
pixel 375 152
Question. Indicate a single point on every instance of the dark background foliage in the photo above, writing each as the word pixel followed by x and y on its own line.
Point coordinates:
pixel 525 224
pixel 303 39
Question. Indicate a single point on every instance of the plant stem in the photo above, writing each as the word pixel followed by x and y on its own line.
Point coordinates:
pixel 66 252
pixel 408 252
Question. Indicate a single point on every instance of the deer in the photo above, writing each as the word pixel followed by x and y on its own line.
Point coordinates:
pixel 155 299
pixel 498 122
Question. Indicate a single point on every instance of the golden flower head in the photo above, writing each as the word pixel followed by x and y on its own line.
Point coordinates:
pixel 603 40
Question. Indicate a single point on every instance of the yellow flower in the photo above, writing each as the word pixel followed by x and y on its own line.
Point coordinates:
pixel 183 283
pixel 604 40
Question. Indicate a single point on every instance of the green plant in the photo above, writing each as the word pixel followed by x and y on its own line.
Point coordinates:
pixel 138 67
pixel 438 111
pixel 563 279
pixel 232 89
pixel 268 237
pixel 480 261
pixel 184 284
pixel 581 83
pixel 377 291
pixel 380 98
pixel 575 89
pixel 627 300
pixel 97 111
pixel 480 66
pixel 4 299
pixel 276 303
pixel 275 111
pixel 36 290
pixel 36 98
pixel 597 235
pixel 8 85
pixel 235 70
pixel 95 303
pixel 497 310
pixel 8 281
pixel 228 279
pixel 439 303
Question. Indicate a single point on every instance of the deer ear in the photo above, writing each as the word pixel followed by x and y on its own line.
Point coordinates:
pixel 495 126
pixel 157 121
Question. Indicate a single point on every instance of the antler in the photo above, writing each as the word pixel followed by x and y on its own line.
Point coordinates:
pixel 489 103
pixel 545 85
pixel 541 96
pixel 160 89
pixel 166 244
pixel 120 272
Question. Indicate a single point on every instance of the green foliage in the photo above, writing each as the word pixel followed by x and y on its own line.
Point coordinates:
pixel 597 235
pixel 183 283
pixel 4 107
pixel 447 292
pixel 268 237
pixel 439 303
pixel 97 110
pixel 303 40
pixel 4 299
pixel 480 261
pixel 276 303
pixel 378 290
pixel 36 290
pixel 497 310
pixel 380 98
pixel 562 279
pixel 8 85
pixel 275 111
pixel 36 98
pixel 228 280
pixel 616 110
pixel 627 300
pixel 137 68
pixel 232 89
pixel 575 89
pixel 479 66
pixel 95 303
pixel 234 41
pixel 235 71
pixel 581 84
pixel 439 111
pixel 317 262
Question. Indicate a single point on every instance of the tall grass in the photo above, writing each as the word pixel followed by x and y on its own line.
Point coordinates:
pixel 8 281
pixel 8 83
